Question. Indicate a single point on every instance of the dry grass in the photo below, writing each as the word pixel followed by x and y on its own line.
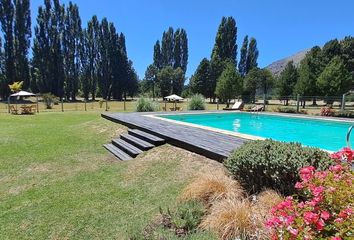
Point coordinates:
pixel 230 218
pixel 212 186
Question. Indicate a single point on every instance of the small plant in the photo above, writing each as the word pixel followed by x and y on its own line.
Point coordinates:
pixel 230 219
pixel 324 208
pixel 146 105
pixel 271 164
pixel 327 112
pixel 49 100
pixel 197 102
pixel 212 186
pixel 16 86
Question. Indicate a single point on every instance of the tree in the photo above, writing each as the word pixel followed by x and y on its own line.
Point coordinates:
pixel 242 66
pixel 266 80
pixel 252 55
pixel 133 80
pixel 3 82
pixel 105 71
pixel 157 55
pixel 22 35
pixel 7 12
pixel 335 79
pixel 250 85
pixel 309 70
pixel 91 49
pixel 167 44
pixel 331 49
pixel 151 78
pixel 286 81
pixel 48 62
pixel 229 85
pixel 225 47
pixel 201 79
pixel 16 86
pixel 216 68
pixel 347 49
pixel 71 50
pixel 180 50
pixel 165 78
pixel 178 81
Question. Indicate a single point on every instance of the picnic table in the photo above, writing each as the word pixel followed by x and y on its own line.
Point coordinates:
pixel 28 109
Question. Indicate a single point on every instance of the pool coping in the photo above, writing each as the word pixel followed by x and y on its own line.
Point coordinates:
pixel 208 141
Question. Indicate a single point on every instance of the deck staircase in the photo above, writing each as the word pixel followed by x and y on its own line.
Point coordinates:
pixel 133 143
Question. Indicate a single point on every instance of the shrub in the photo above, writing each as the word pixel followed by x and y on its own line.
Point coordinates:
pixel 196 102
pixel 270 164
pixel 327 112
pixel 325 209
pixel 344 114
pixel 230 219
pixel 286 110
pixel 48 100
pixel 146 105
pixel 100 102
pixel 210 187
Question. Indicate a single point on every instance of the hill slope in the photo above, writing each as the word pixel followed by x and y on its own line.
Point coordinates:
pixel 278 66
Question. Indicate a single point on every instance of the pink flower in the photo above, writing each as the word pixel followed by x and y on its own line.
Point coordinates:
pixel 317 191
pixel 306 173
pixel 337 168
pixel 310 217
pixel 321 175
pixel 336 238
pixel 325 215
pixel 320 225
pixel 338 220
pixel 293 231
pixel 298 185
pixel 345 213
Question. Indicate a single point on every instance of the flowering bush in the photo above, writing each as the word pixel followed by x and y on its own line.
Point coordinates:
pixel 324 207
pixel 327 111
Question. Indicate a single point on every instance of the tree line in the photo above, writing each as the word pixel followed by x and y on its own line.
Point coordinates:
pixel 326 71
pixel 166 75
pixel 222 77
pixel 68 60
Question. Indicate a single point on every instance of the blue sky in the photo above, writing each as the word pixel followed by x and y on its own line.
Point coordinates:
pixel 281 27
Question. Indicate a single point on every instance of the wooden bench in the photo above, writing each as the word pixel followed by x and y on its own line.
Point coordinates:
pixel 13 110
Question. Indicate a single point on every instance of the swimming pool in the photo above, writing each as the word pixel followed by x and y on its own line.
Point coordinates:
pixel 325 134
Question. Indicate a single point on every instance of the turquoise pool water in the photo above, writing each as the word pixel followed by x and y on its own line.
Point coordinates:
pixel 328 135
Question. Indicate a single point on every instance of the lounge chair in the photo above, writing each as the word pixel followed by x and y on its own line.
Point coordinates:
pixel 236 106
pixel 257 108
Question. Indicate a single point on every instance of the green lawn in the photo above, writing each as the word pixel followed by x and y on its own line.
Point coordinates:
pixel 57 182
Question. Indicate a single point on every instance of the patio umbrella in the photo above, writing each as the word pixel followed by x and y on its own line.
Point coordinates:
pixel 174 98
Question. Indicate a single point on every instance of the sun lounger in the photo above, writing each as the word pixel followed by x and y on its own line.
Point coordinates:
pixel 236 106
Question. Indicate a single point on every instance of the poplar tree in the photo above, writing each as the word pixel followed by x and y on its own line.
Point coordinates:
pixel 252 55
pixel 71 50
pixel 105 70
pixel 167 48
pixel 157 55
pixel 225 47
pixel 7 12
pixel 242 66
pixel 22 35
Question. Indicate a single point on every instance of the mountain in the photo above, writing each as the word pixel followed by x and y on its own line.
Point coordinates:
pixel 278 66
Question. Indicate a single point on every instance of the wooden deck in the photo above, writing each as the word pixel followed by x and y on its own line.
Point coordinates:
pixel 211 144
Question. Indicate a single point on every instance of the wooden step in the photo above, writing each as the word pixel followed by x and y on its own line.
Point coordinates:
pixel 117 152
pixel 137 142
pixel 146 137
pixel 126 147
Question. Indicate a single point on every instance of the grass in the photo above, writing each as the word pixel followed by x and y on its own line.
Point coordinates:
pixel 57 182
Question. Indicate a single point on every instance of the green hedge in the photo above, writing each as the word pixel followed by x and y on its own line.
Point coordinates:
pixel 270 164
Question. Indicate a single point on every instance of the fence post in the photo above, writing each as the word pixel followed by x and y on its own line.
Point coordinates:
pixel 264 101
pixel 37 103
pixel 342 107
pixel 106 105
pixel 8 104
pixel 217 104
pixel 62 105
pixel 297 103
pixel 124 105
pixel 85 105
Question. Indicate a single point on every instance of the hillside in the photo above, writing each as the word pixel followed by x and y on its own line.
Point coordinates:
pixel 278 66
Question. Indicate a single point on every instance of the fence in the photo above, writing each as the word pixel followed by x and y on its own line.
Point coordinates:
pixel 272 103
